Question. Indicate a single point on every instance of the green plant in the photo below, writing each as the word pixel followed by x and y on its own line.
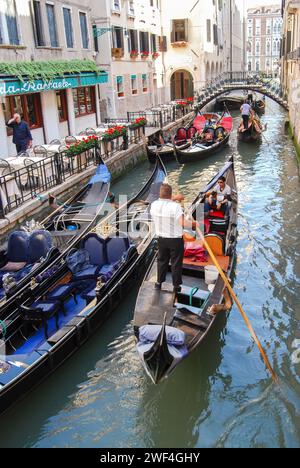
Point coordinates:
pixel 82 146
pixel 113 133
pixel 46 70
pixel 141 122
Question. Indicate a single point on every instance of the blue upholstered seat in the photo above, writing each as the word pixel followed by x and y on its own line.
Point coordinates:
pixel 47 308
pixel 17 247
pixel 95 246
pixel 89 296
pixel 40 243
pixel 39 312
pixel 115 248
pixel 61 291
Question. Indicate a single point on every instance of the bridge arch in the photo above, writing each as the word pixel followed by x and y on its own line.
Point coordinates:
pixel 182 84
pixel 239 87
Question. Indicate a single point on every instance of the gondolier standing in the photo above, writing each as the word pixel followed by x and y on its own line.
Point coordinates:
pixel 169 221
pixel 246 112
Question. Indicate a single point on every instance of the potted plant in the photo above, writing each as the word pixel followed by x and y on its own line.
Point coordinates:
pixel 79 147
pixel 145 54
pixel 134 54
pixel 155 55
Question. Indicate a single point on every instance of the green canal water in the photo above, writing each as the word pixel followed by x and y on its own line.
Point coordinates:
pixel 222 396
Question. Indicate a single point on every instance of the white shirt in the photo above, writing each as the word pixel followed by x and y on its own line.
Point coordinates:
pixel 246 108
pixel 166 215
pixel 221 193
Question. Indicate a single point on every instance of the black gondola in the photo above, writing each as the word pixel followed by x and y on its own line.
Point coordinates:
pixel 196 151
pixel 254 131
pixel 60 313
pixel 31 251
pixel 259 106
pixel 166 150
pixel 166 333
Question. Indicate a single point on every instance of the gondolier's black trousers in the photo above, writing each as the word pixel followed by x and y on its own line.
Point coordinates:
pixel 170 249
pixel 246 121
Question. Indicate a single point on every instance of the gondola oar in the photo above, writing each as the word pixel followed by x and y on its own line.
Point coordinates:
pixel 239 306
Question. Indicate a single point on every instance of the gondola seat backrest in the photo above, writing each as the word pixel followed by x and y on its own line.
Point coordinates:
pixel 95 246
pixel 40 243
pixel 191 133
pixel 216 243
pixel 181 134
pixel 116 247
pixel 17 248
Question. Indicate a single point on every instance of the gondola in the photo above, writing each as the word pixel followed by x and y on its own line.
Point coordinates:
pixel 166 331
pixel 220 130
pixel 259 106
pixel 31 250
pixel 232 102
pixel 62 310
pixel 166 151
pixel 254 131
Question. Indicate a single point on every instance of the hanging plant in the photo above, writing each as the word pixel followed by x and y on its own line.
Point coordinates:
pixel 113 133
pixel 46 70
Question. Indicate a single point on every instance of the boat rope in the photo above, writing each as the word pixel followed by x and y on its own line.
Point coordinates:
pixel 4 329
pixel 192 294
pixel 239 306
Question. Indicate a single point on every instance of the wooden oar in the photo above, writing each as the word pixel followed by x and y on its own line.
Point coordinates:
pixel 239 306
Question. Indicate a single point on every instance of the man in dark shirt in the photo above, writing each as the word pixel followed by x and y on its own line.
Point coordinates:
pixel 22 137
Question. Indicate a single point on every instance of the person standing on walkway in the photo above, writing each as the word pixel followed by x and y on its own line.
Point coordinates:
pixel 246 112
pixel 22 137
pixel 169 221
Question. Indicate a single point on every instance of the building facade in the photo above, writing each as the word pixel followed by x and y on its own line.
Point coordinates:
pixel 129 45
pixel 290 71
pixel 264 32
pixel 202 43
pixel 40 31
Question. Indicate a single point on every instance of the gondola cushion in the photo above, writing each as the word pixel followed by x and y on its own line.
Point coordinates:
pixel 47 308
pixel 90 272
pixel 40 243
pixel 116 247
pixel 149 333
pixel 17 249
pixel 95 246
pixel 61 292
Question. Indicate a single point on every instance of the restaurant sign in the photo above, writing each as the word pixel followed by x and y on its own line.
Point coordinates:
pixel 13 87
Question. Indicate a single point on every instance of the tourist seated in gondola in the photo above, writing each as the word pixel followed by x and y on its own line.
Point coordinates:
pixel 223 198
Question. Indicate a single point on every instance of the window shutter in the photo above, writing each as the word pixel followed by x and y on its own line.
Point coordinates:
pixel 121 30
pixel 141 41
pixel 288 42
pixel 215 28
pixel 186 29
pixel 147 48
pixel 173 31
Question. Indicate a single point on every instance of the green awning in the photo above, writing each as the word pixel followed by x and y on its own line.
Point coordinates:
pixel 11 87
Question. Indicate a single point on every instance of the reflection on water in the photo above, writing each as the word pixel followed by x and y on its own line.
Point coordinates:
pixel 222 395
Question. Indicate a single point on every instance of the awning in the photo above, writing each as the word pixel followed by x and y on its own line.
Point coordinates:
pixel 11 87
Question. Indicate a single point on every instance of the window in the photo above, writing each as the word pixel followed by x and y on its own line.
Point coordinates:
pixel 62 106
pixel 269 28
pixel 118 37
pixel 133 40
pixel 52 25
pixel 215 31
pixel 145 83
pixel 68 27
pixel 38 24
pixel 8 23
pixel 84 30
pixel 131 11
pixel 120 86
pixel 116 5
pixel 257 47
pixel 257 65
pixel 28 106
pixel 257 27
pixel 153 43
pixel 249 31
pixel 134 84
pixel 163 44
pixel 84 101
pixel 268 48
pixel 249 66
pixel 208 30
pixel 144 41
pixel 179 30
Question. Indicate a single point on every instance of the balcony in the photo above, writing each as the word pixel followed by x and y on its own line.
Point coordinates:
pixel 179 44
pixel 294 55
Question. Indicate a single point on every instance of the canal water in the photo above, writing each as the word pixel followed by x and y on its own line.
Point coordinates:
pixel 222 396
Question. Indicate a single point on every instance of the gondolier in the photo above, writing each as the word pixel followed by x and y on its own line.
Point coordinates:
pixel 246 112
pixel 169 221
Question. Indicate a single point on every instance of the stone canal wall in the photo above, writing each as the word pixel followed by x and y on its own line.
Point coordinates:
pixel 118 164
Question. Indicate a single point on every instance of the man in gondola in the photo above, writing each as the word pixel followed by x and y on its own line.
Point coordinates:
pixel 246 113
pixel 169 221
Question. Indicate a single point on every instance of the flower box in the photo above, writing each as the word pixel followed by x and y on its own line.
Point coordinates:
pixel 145 54
pixel 155 55
pixel 138 123
pixel 79 147
pixel 114 133
pixel 179 44
pixel 134 54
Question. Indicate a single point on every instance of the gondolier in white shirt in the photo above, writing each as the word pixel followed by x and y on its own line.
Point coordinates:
pixel 169 221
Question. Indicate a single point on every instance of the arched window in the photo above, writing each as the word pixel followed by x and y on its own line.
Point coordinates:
pixel 257 65
pixel 249 66
pixel 268 47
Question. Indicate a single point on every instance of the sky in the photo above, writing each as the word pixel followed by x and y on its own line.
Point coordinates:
pixel 252 3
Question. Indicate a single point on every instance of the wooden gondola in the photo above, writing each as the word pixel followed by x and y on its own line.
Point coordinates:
pixel 254 131
pixel 232 102
pixel 32 250
pixel 166 151
pixel 61 312
pixel 259 106
pixel 220 128
pixel 167 332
